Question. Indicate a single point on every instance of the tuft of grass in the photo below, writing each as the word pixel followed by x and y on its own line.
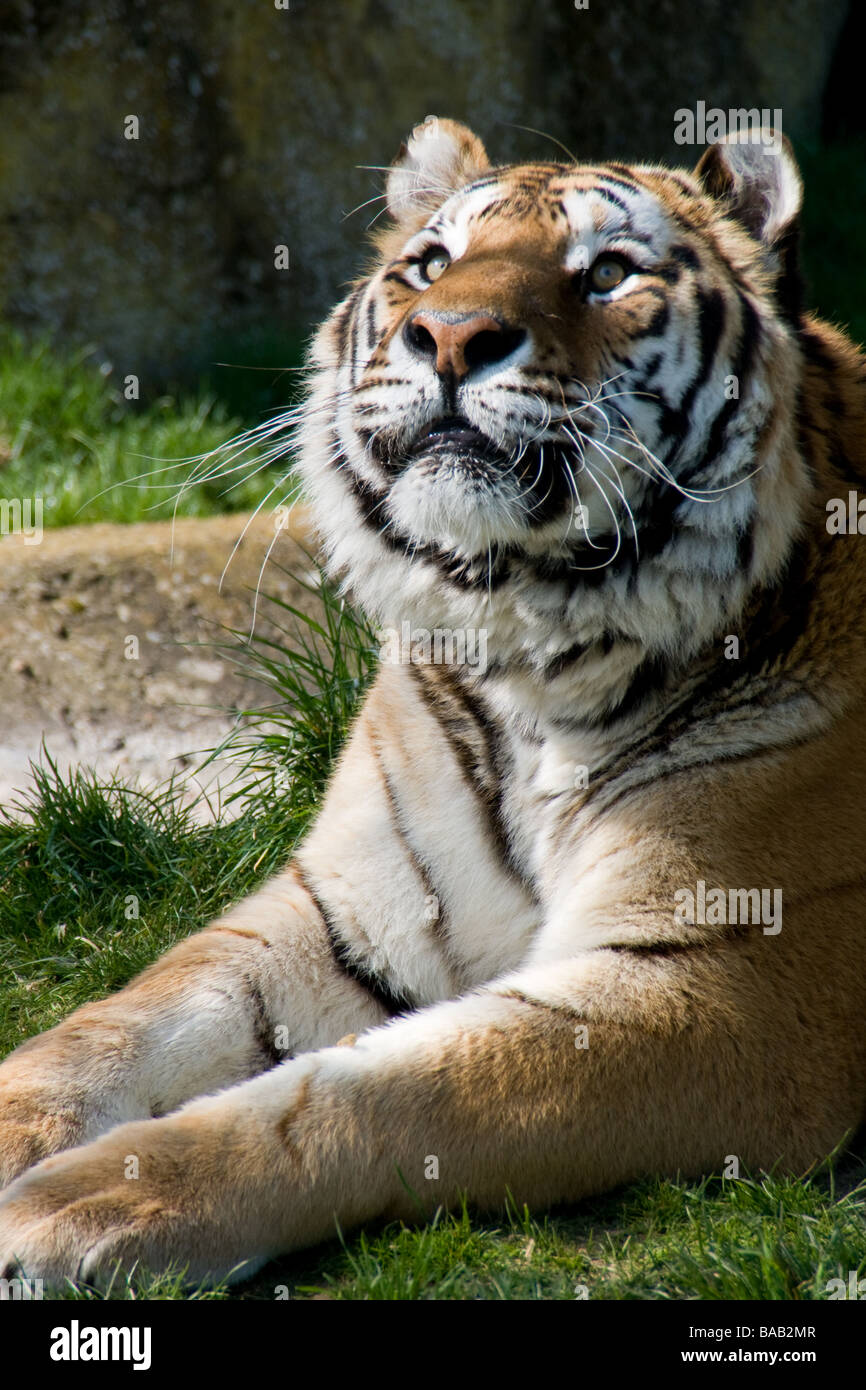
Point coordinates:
pixel 137 1285
pixel 98 881
pixel 314 672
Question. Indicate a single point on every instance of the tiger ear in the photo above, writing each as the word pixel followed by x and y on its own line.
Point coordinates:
pixel 759 181
pixel 439 157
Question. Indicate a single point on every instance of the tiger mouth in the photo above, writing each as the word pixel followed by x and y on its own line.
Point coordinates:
pixel 455 436
pixel 450 440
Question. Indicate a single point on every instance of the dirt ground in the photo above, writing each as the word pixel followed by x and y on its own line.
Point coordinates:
pixel 110 643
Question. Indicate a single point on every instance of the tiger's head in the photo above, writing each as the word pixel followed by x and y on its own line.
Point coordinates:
pixel 562 407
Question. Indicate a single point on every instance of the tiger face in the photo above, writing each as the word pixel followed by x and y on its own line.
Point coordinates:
pixel 561 405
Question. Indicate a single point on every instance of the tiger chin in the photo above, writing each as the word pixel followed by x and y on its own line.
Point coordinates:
pixel 579 408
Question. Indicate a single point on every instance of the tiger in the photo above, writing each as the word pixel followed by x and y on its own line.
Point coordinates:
pixel 586 911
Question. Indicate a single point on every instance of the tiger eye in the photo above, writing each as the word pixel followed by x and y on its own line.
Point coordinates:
pixel 606 274
pixel 435 264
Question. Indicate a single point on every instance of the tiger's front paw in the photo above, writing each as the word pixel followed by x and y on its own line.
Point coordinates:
pixel 136 1196
pixel 73 1213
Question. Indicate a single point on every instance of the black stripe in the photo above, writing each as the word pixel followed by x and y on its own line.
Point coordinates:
pixel 544 476
pixel 816 350
pixel 662 948
pixel 746 546
pixel 669 271
pixel 685 255
pixel 780 616
pixel 681 183
pixel 638 237
pixel 649 678
pixel 608 196
pixel 484 769
pixel 263 1028
pixel 495 763
pixel 489 181
pixel 565 659
pixel 353 336
pixel 372 330
pixel 491 209
pixel 711 327
pixel 649 369
pixel 519 996
pixel 440 928
pixel 630 184
pixel 584 564
pixel 457 726
pixel 341 327
pixel 675 421
pixel 659 320
pixel 479 716
pixel 823 396
pixel 750 333
pixel 790 290
pixel 393 1001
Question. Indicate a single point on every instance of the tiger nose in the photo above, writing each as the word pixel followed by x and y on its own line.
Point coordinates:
pixel 458 345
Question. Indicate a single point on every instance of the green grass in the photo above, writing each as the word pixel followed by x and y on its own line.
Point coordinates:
pixel 69 436
pixel 719 1239
pixel 67 878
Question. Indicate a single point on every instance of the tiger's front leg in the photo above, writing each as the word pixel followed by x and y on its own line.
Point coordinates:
pixel 553 1083
pixel 367 921
pixel 220 1007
